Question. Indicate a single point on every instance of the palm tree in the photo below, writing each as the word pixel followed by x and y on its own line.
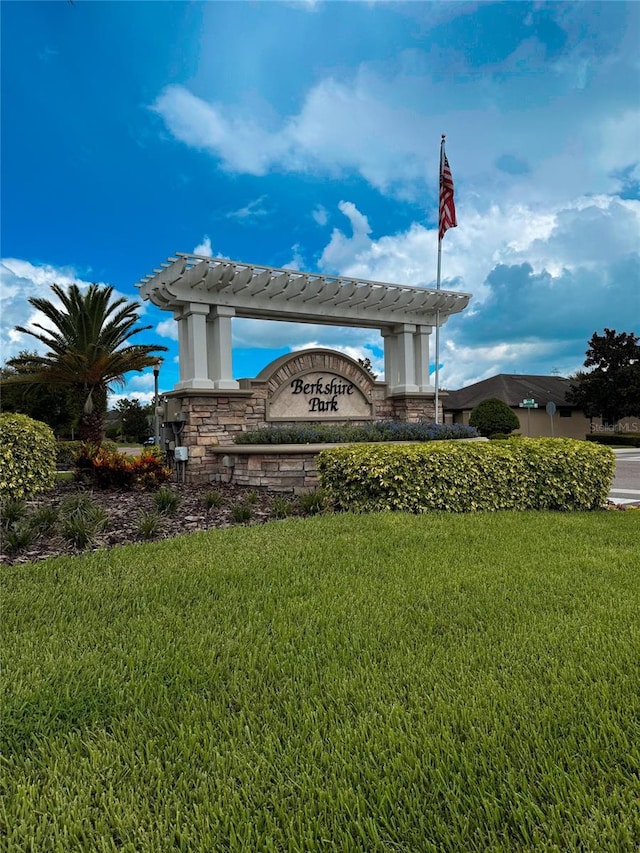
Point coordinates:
pixel 88 349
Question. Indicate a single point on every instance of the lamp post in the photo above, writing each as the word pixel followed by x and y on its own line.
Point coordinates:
pixel 156 421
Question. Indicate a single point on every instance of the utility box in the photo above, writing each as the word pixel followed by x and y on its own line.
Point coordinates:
pixel 173 411
pixel 181 454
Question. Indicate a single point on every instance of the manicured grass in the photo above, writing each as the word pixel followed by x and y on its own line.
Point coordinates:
pixel 340 683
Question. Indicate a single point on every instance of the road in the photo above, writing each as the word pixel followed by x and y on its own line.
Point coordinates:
pixel 626 483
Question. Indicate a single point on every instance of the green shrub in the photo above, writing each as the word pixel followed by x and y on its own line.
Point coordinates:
pixel 27 456
pixel 213 500
pixel 80 519
pixel 149 524
pixel 630 439
pixel 546 473
pixel 313 502
pixel 241 513
pixel 166 501
pixel 493 416
pixel 66 452
pixel 12 510
pixel 107 468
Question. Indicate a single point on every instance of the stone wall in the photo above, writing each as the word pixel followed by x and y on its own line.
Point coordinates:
pixel 208 421
pixel 284 468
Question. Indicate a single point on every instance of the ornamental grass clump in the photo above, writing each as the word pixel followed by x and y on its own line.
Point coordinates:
pixel 166 501
pixel 241 513
pixel 81 519
pixel 213 499
pixel 149 524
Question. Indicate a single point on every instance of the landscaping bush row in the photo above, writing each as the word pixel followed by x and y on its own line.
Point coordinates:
pixel 539 474
pixel 345 433
pixel 631 439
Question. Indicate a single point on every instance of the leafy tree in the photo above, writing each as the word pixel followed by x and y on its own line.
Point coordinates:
pixel 88 350
pixel 493 416
pixel 368 366
pixel 134 419
pixel 612 388
pixel 40 402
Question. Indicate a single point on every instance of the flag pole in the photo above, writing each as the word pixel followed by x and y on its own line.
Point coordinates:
pixel 437 378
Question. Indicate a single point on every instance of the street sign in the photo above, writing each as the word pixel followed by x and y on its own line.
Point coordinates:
pixel 528 404
pixel 551 410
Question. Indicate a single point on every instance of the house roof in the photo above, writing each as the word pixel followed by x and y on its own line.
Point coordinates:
pixel 512 389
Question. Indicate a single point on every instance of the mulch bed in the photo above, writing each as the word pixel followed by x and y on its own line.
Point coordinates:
pixel 125 508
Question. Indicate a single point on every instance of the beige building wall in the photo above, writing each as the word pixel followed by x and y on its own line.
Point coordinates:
pixel 536 423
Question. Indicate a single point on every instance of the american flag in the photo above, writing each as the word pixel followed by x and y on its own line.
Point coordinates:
pixel 447 205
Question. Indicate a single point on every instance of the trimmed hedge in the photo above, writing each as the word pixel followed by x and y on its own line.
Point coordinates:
pixel 539 474
pixel 345 433
pixel 493 416
pixel 27 456
pixel 631 439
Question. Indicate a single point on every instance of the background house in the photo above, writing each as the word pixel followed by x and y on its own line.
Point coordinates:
pixel 513 389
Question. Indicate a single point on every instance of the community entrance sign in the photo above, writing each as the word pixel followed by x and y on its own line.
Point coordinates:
pixel 205 294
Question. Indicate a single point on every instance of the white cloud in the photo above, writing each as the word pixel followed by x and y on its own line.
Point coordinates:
pixel 297 260
pixel 204 248
pixel 320 215
pixel 378 119
pixel 542 280
pixel 168 328
pixel 270 334
pixel 253 210
pixel 342 249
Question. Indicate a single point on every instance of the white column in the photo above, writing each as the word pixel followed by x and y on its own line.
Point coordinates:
pixel 184 365
pixel 220 348
pixel 404 334
pixel 391 373
pixel 400 359
pixel 194 315
pixel 421 350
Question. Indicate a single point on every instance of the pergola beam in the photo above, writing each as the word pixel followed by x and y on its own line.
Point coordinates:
pixel 195 287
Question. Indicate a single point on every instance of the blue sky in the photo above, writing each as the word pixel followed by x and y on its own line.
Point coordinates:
pixel 306 135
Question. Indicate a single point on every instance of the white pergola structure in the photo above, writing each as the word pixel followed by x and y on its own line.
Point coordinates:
pixel 205 294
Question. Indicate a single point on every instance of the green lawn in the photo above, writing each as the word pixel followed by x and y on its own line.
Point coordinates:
pixel 339 683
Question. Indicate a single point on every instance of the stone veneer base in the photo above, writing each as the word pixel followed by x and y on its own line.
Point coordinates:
pixel 206 422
